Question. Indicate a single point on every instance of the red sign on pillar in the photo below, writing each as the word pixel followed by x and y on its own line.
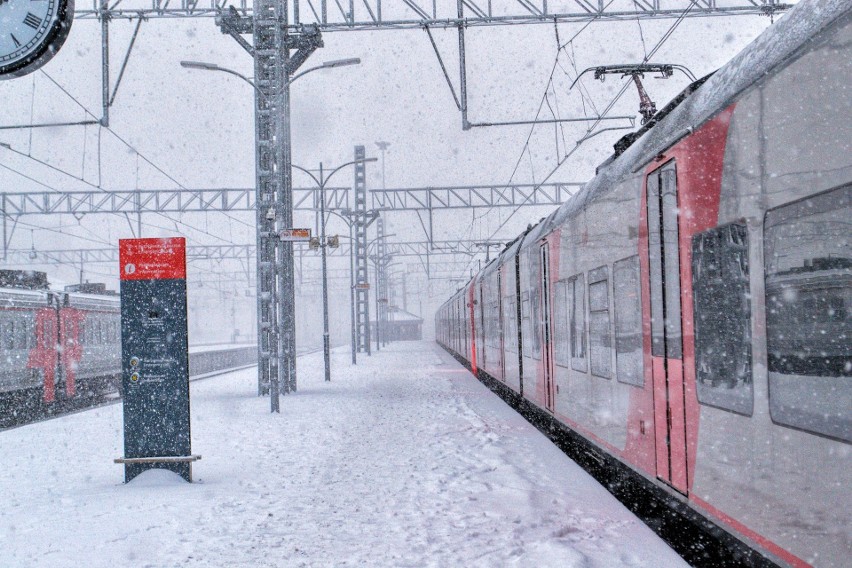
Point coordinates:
pixel 152 259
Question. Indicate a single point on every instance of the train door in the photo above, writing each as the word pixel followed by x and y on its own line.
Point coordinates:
pixel 482 330
pixel 70 347
pixel 501 337
pixel 546 351
pixel 666 337
pixel 471 322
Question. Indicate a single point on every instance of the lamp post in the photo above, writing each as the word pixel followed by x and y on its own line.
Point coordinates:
pixel 204 66
pixel 278 301
pixel 382 147
pixel 380 260
pixel 321 182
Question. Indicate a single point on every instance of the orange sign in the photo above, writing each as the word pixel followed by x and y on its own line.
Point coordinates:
pixel 295 235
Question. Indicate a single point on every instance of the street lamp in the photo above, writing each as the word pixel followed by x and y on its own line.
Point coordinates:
pixel 281 297
pixel 321 182
pixel 382 147
pixel 380 263
pixel 328 65
pixel 204 66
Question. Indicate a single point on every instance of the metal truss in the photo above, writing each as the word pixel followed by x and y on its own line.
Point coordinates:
pixel 361 288
pixel 157 201
pixel 407 14
pixel 76 257
pixel 81 203
pixel 381 259
pixel 424 248
pixel 467 196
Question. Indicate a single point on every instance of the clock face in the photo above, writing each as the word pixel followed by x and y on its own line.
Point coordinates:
pixel 31 32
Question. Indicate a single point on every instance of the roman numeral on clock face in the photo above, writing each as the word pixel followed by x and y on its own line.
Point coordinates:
pixel 32 20
pixel 14 39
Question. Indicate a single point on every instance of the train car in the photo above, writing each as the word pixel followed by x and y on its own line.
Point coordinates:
pixel 56 345
pixel 687 313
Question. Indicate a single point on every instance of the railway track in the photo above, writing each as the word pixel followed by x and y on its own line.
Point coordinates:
pixel 21 409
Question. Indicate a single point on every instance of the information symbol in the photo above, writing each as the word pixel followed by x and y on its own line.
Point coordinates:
pixel 129 268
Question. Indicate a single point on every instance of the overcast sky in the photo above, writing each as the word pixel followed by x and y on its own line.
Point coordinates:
pixel 198 126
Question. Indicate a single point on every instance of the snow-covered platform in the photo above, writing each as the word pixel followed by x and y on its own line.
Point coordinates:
pixel 402 460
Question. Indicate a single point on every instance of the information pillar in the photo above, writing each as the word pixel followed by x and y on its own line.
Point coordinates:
pixel 155 356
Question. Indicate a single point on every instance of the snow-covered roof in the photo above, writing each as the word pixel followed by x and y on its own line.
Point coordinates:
pixel 400 315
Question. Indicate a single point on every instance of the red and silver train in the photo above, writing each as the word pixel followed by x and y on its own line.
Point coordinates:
pixel 689 311
pixel 55 344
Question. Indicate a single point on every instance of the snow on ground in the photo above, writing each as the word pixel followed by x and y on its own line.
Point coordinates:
pixel 404 460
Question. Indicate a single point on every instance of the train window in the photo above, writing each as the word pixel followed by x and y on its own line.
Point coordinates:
pixel 600 338
pixel 9 335
pixel 510 324
pixel 535 302
pixel 21 337
pixel 722 313
pixel 488 327
pixel 808 256
pixel 561 351
pixel 496 334
pixel 576 302
pixel 525 323
pixel 628 321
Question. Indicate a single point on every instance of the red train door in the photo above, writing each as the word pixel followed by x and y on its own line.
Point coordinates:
pixel 482 329
pixel 44 355
pixel 666 335
pixel 71 348
pixel 499 325
pixel 546 359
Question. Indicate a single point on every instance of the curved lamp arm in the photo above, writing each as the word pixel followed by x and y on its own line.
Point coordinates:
pixel 322 183
pixel 213 67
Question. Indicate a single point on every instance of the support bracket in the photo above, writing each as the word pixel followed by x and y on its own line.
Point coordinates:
pixel 305 43
pixel 232 24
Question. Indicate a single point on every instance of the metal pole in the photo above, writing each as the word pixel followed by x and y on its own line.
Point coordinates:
pixel 105 61
pixel 286 282
pixel 404 294
pixel 462 67
pixel 378 323
pixel 351 292
pixel 362 269
pixel 324 244
pixel 5 230
pixel 266 72
pixel 382 147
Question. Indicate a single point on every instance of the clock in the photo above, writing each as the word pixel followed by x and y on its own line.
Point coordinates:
pixel 31 32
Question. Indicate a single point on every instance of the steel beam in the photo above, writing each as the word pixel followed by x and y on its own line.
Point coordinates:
pixel 304 199
pixel 266 194
pixel 405 14
pixel 165 200
pixel 362 283
pixel 235 252
pixel 467 196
